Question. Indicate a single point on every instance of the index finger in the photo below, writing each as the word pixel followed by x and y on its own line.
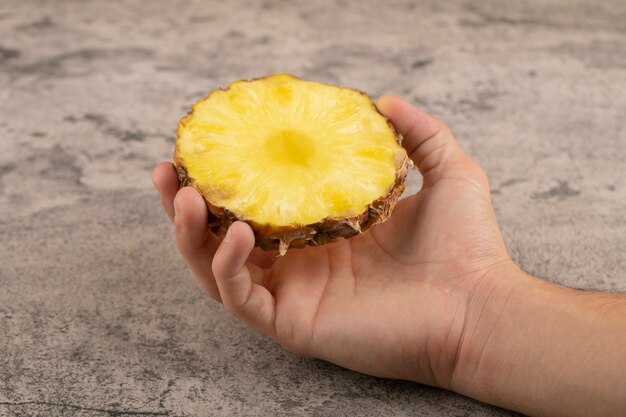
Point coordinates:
pixel 166 182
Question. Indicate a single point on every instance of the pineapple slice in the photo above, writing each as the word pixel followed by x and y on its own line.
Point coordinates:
pixel 302 162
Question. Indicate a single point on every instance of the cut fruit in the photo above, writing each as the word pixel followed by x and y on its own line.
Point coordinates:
pixel 303 163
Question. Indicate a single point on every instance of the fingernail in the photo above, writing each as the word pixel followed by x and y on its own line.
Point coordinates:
pixel 381 104
pixel 229 235
pixel 176 212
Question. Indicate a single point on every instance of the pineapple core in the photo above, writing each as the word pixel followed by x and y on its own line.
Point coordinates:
pixel 283 151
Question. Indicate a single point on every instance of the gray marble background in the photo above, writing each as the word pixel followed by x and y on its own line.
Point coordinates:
pixel 98 314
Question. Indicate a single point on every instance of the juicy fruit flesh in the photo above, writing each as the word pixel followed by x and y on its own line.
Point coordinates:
pixel 283 151
pixel 290 147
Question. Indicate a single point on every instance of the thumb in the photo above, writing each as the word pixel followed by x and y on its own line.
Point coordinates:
pixel 427 140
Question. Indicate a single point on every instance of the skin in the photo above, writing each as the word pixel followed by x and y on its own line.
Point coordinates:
pixel 431 295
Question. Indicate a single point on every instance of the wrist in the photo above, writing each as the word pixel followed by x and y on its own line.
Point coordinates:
pixel 486 312
pixel 543 349
pixel 502 317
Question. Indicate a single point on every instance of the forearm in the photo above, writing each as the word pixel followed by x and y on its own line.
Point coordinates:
pixel 543 349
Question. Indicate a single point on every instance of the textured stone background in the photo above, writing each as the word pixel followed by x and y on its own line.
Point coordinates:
pixel 98 315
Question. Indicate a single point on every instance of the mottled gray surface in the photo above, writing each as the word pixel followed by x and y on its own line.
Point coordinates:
pixel 98 314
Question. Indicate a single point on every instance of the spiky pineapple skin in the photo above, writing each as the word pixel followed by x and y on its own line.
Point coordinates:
pixel 270 237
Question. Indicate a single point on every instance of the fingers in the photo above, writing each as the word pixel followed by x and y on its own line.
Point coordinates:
pixel 195 243
pixel 166 182
pixel 428 141
pixel 241 296
pixel 187 210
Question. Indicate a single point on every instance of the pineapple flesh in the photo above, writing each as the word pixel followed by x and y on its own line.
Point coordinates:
pixel 302 162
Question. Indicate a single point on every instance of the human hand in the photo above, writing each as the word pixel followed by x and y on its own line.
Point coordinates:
pixel 394 302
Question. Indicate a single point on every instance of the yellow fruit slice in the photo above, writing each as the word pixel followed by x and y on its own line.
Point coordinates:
pixel 302 162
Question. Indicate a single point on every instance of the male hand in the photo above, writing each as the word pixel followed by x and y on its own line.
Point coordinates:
pixel 394 302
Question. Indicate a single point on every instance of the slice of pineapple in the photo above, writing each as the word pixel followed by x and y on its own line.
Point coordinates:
pixel 302 162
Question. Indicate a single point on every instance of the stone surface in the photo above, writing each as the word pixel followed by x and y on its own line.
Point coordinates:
pixel 98 314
